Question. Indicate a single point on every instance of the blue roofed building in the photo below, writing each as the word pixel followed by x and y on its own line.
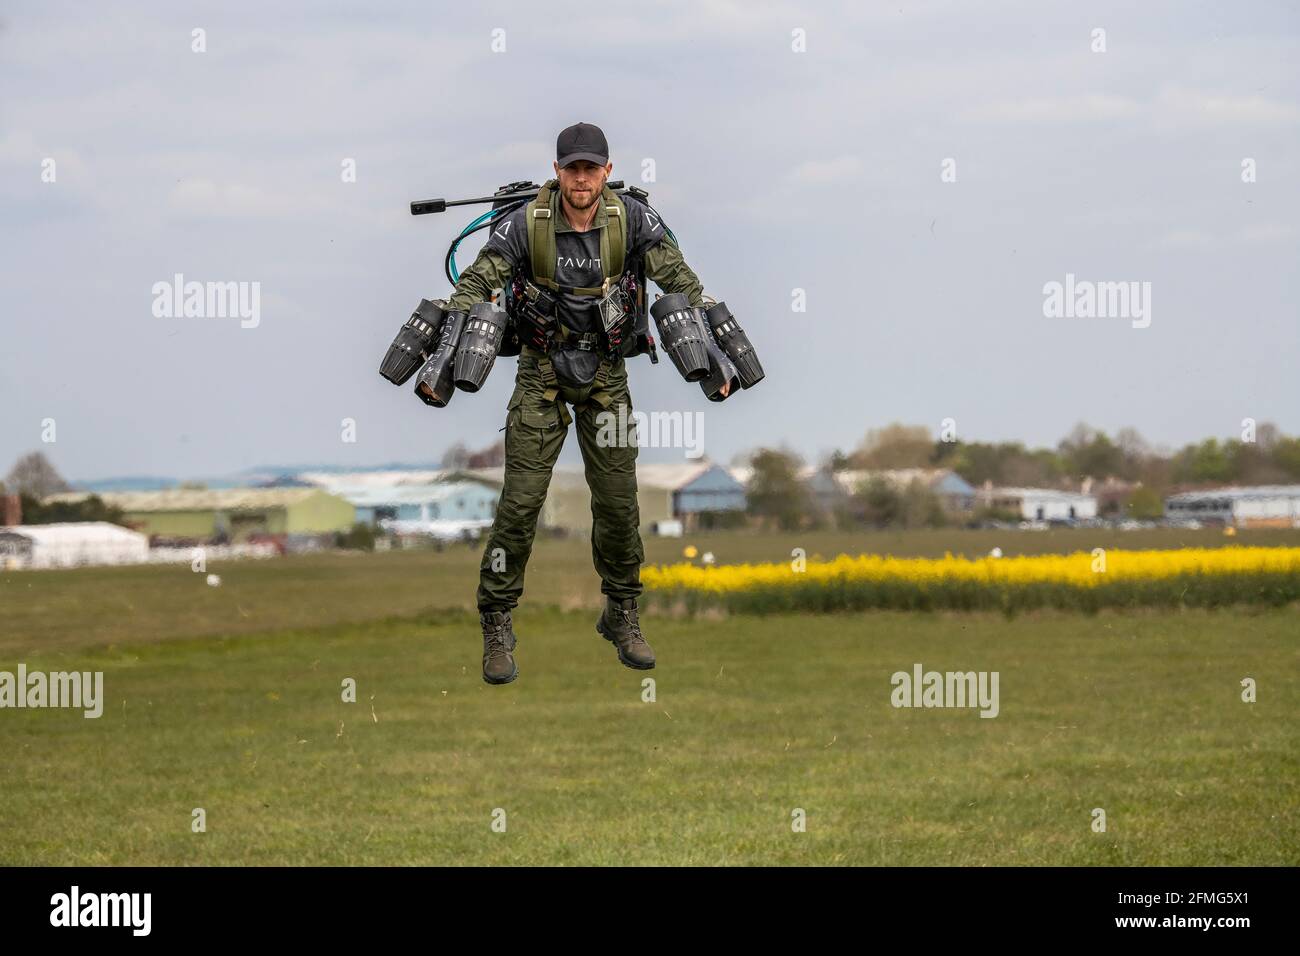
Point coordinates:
pixel 443 504
pixel 699 494
pixel 440 501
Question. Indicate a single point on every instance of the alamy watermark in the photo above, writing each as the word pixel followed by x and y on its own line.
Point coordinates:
pixel 208 300
pixel 75 908
pixel 922 688
pixel 82 690
pixel 1082 299
pixel 651 430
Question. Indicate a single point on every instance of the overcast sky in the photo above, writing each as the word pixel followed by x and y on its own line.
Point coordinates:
pixel 779 170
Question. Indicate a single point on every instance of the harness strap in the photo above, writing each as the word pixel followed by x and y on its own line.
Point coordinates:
pixel 587 341
pixel 599 395
pixel 541 236
pixel 613 238
pixel 548 377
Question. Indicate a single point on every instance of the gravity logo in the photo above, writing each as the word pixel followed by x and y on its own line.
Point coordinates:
pixel 503 230
pixel 570 262
pixel 652 221
pixel 103 909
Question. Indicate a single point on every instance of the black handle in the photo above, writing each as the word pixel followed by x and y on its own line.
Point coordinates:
pixel 426 206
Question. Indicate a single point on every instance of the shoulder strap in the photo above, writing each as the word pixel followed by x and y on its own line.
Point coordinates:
pixel 613 240
pixel 541 236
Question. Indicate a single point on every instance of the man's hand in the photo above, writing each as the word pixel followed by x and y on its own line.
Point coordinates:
pixel 726 389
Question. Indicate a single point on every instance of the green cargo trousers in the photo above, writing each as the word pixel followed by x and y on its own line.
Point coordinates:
pixel 537 421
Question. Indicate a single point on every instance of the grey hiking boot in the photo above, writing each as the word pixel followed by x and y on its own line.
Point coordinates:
pixel 620 627
pixel 498 644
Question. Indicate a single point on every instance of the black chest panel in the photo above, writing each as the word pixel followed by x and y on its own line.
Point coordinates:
pixel 578 265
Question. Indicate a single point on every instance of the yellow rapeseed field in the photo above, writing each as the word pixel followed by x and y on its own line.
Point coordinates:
pixel 1082 569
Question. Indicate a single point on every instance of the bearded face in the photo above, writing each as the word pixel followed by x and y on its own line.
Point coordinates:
pixel 581 182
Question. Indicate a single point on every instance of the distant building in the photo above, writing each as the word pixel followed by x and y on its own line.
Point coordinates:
pixel 1112 495
pixel 1261 506
pixel 1039 504
pixel 234 514
pixel 70 545
pixel 437 501
pixel 414 496
pixel 694 489
pixel 830 489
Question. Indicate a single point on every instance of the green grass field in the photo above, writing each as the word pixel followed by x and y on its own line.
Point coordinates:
pixel 228 699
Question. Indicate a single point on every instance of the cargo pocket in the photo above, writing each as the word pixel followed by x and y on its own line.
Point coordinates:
pixel 538 425
pixel 512 422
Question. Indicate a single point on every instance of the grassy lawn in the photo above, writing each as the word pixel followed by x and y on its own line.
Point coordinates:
pixel 229 699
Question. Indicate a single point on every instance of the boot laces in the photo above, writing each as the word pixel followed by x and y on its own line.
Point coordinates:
pixel 495 637
pixel 630 618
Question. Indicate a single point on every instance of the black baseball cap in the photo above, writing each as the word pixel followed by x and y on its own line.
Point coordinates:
pixel 581 141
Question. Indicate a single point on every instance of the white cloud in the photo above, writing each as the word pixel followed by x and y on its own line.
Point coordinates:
pixel 1265 232
pixel 22 154
pixel 1220 108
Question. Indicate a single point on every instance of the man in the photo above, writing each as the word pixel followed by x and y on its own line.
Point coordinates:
pixel 574 361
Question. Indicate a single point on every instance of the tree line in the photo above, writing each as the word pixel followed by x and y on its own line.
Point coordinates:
pixel 1138 474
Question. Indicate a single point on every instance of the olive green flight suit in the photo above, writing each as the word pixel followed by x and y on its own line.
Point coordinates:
pixel 537 420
